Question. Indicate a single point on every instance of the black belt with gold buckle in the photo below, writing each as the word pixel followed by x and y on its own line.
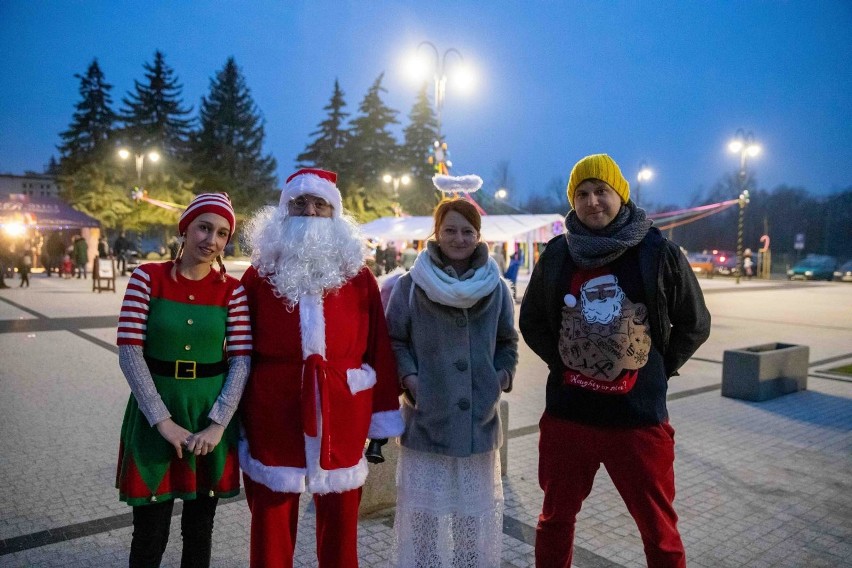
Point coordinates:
pixel 181 369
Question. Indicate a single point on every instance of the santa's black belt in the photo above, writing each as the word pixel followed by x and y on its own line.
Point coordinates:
pixel 181 369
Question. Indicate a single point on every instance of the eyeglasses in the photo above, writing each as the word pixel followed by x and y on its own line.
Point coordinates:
pixel 299 204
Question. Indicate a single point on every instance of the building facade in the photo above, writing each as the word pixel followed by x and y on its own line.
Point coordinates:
pixel 35 185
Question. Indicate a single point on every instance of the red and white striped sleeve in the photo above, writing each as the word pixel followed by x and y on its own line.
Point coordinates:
pixel 133 320
pixel 238 334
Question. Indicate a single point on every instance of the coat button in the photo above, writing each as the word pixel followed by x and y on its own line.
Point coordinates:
pixel 187 347
pixel 191 296
pixel 189 322
pixel 461 322
pixel 464 404
pixel 461 365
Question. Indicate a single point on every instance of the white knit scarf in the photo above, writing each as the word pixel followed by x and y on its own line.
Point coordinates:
pixel 446 290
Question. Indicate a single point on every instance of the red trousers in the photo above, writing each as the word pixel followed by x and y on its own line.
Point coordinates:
pixel 640 462
pixel 274 519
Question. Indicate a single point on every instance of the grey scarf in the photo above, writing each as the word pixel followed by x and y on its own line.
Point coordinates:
pixel 591 249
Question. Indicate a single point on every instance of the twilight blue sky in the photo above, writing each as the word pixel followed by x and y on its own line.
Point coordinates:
pixel 667 82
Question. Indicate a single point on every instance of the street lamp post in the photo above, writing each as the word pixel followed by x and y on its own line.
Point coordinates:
pixel 152 155
pixel 439 75
pixel 502 194
pixel 645 174
pixel 744 145
pixel 404 179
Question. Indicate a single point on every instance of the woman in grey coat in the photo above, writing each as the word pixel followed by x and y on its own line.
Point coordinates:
pixel 451 324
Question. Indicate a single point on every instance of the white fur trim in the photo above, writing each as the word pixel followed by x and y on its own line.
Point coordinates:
pixel 278 478
pixel 387 424
pixel 457 184
pixel 360 379
pixel 321 481
pixel 311 184
pixel 312 325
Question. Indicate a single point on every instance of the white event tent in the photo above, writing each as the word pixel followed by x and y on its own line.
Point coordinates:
pixel 528 229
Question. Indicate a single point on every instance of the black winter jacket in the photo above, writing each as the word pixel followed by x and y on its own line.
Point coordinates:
pixel 679 319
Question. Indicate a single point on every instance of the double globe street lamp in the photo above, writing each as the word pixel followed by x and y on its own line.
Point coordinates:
pixel 152 155
pixel 745 145
pixel 395 181
pixel 421 65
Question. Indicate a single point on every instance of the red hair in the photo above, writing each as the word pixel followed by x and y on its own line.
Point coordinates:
pixel 461 206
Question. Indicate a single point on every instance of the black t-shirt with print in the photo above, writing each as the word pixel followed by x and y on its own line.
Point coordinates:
pixel 613 375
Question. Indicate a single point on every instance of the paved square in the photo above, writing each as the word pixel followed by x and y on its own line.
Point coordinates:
pixel 759 484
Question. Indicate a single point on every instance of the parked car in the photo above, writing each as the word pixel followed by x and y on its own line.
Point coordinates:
pixel 725 262
pixel 702 264
pixel 844 273
pixel 813 267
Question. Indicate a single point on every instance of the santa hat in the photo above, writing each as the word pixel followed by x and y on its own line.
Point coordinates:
pixel 312 181
pixel 218 203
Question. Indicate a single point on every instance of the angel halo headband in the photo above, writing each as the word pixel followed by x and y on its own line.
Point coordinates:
pixel 457 184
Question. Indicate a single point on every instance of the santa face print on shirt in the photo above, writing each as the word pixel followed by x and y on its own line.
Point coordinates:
pixel 603 335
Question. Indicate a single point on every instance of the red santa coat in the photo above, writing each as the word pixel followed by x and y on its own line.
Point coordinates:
pixel 323 380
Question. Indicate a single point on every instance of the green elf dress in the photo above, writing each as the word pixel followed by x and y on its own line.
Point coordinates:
pixel 187 330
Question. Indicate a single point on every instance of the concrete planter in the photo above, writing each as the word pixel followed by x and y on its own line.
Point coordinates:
pixel 765 371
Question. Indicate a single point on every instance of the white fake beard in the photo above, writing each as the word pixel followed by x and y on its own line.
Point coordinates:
pixel 304 255
pixel 602 311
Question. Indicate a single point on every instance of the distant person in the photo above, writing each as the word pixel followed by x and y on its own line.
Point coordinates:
pixel 80 256
pixel 120 248
pixel 55 248
pixel 380 260
pixel 748 264
pixel 408 256
pixel 103 248
pixel 4 264
pixel 184 346
pixel 614 310
pixel 452 326
pixel 174 245
pixel 67 267
pixel 390 258
pixel 25 264
pixel 511 273
pixel 499 257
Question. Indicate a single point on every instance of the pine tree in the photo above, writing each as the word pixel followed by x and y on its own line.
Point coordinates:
pixel 90 130
pixel 101 188
pixel 153 115
pixel 371 150
pixel 227 150
pixel 52 167
pixel 420 197
pixel 327 149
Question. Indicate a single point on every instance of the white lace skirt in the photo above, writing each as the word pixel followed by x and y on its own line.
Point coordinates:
pixel 449 511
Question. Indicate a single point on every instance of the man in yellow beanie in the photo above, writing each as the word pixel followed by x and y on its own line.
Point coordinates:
pixel 614 310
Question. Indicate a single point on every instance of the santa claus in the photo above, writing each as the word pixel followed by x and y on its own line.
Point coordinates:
pixel 323 375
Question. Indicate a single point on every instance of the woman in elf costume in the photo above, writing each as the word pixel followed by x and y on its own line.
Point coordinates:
pixel 184 340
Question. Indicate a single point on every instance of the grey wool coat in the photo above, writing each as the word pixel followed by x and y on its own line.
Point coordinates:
pixel 456 354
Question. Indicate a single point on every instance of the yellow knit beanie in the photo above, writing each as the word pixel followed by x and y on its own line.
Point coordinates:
pixel 602 167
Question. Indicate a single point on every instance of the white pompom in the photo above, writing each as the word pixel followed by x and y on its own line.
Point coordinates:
pixel 570 300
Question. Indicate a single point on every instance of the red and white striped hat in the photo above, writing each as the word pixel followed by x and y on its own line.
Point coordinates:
pixel 312 181
pixel 218 203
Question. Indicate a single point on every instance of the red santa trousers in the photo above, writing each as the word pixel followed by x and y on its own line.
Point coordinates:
pixel 274 519
pixel 640 462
